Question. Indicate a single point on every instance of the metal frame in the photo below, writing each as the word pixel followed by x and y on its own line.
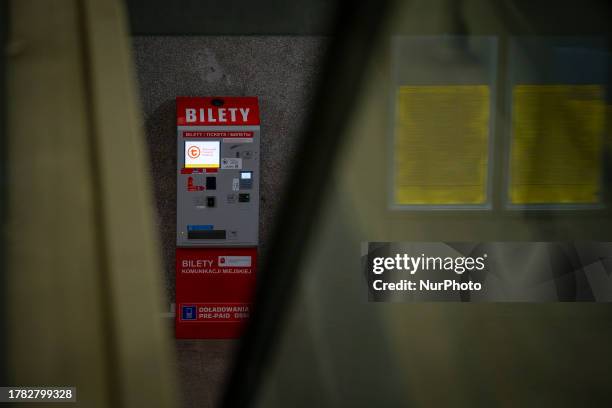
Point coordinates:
pixel 492 140
pixel 508 136
pixel 4 30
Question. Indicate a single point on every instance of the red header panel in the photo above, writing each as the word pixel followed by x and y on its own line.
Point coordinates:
pixel 217 111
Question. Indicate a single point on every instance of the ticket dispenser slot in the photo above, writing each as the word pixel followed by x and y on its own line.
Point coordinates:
pixel 211 183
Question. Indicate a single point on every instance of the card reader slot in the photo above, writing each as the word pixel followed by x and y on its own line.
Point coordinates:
pixel 206 234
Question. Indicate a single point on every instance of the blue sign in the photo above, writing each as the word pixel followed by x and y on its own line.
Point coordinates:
pixel 188 313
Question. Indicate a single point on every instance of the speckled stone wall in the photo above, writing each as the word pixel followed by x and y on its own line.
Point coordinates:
pixel 281 71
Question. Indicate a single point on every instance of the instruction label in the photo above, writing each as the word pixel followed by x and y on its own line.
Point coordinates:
pixel 231 163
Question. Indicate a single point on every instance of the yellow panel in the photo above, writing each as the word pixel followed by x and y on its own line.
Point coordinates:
pixel 441 144
pixel 556 144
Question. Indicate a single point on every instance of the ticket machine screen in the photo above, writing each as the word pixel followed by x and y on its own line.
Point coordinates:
pixel 202 154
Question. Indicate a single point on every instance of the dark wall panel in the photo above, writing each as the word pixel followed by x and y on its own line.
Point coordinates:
pixel 281 71
pixel 230 17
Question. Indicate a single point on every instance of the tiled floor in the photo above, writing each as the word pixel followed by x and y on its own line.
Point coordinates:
pixel 203 366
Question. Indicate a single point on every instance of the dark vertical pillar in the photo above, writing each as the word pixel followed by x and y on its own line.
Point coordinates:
pixel 3 141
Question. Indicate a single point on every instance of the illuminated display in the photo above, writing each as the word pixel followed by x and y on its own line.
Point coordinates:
pixel 202 154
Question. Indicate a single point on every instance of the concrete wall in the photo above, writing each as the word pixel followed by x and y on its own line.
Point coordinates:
pixel 281 71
